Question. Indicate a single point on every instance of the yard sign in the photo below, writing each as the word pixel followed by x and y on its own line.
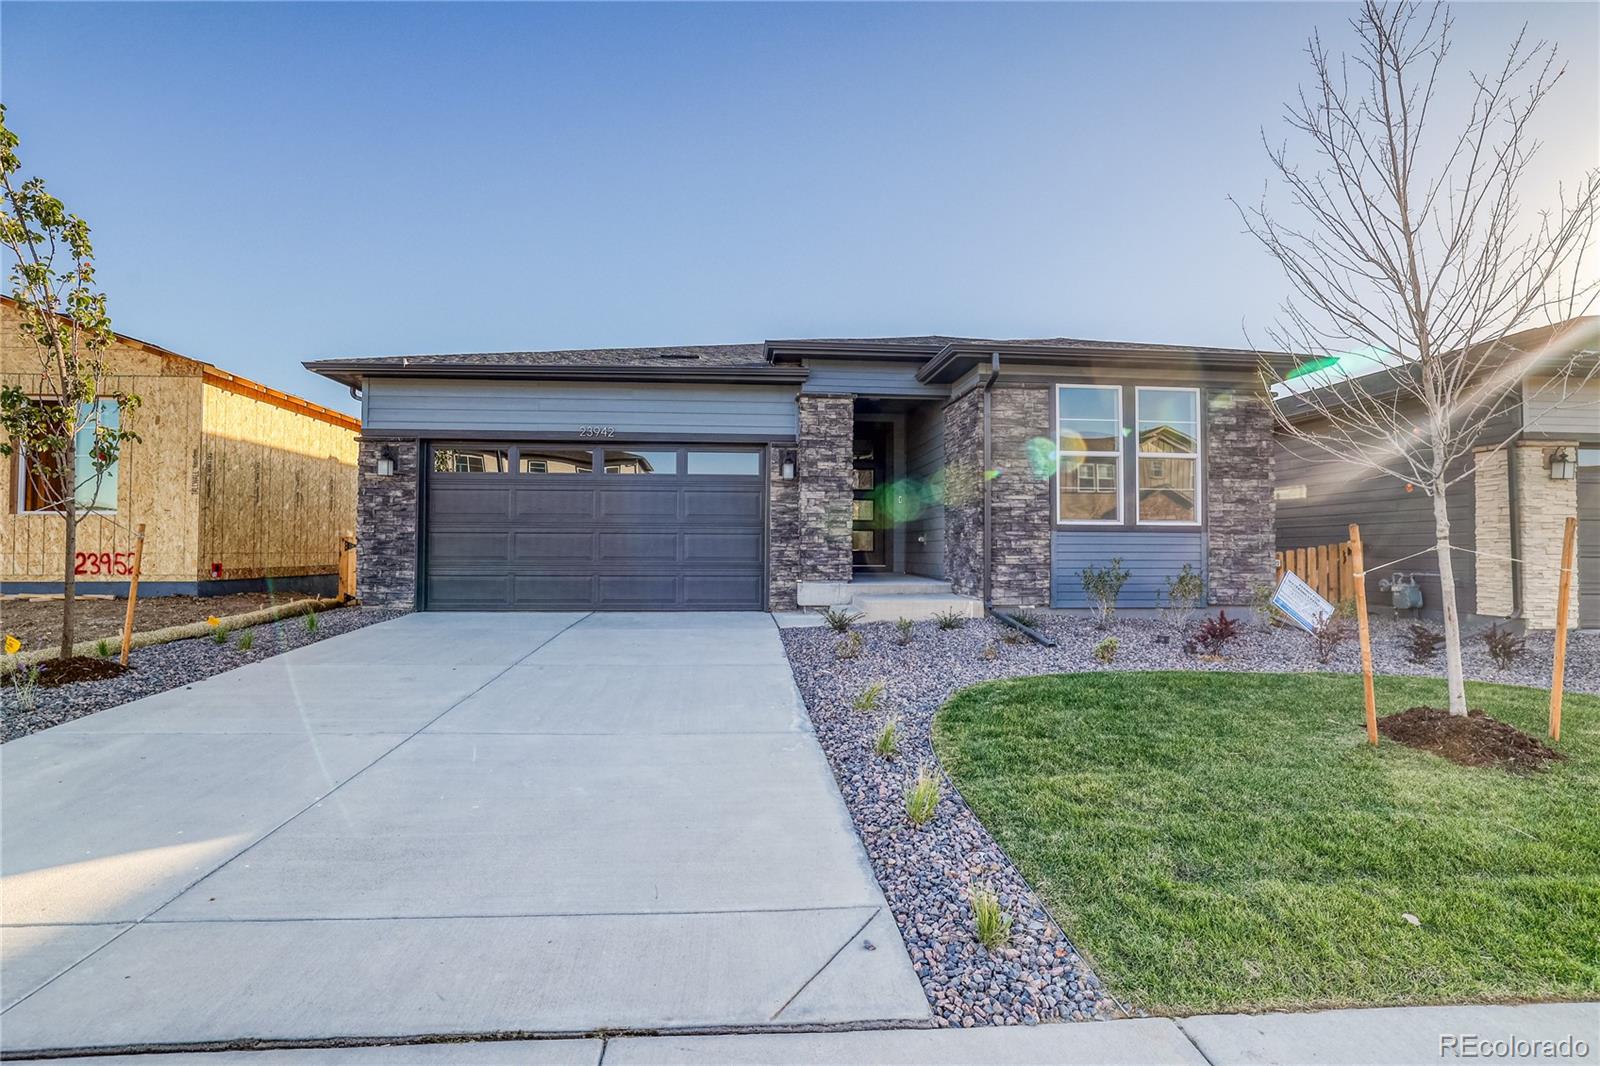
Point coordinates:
pixel 1301 602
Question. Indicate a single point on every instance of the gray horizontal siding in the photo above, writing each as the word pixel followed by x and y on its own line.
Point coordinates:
pixel 465 407
pixel 868 379
pixel 924 459
pixel 1149 557
pixel 1562 407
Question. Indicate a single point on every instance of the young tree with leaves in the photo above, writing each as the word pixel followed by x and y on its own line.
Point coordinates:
pixel 1408 242
pixel 57 417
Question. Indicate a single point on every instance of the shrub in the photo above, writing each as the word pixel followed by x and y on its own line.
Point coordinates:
pixel 839 620
pixel 1215 633
pixel 1327 635
pixel 922 797
pixel 1026 617
pixel 1266 615
pixel 102 648
pixel 26 683
pixel 1103 586
pixel 247 640
pixel 219 634
pixel 1011 636
pixel 903 630
pixel 886 744
pixel 1423 643
pixel 1185 592
pixel 869 698
pixel 990 920
pixel 1504 646
pixel 311 621
pixel 848 647
pixel 1345 609
pixel 990 652
pixel 951 619
pixel 1106 650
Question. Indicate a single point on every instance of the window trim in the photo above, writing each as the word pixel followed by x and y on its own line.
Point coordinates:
pixel 1197 455
pixel 1117 456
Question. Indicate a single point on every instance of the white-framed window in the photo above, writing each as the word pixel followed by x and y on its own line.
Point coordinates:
pixel 1089 455
pixel 41 486
pixel 1167 473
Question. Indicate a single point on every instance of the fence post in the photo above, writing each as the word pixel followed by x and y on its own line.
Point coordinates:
pixel 347 566
pixel 1569 541
pixel 1357 566
pixel 133 590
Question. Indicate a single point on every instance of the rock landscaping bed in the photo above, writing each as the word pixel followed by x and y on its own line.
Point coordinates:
pixel 929 874
pixel 163 666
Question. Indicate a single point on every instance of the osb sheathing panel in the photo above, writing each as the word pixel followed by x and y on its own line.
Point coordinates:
pixel 159 477
pixel 277 488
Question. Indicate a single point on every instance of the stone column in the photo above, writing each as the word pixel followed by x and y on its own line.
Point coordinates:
pixel 1240 510
pixel 827 428
pixel 1543 507
pixel 1492 533
pixel 386 525
pixel 1019 495
pixel 783 534
pixel 963 493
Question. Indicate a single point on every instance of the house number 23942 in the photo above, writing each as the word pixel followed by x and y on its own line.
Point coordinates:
pixel 597 431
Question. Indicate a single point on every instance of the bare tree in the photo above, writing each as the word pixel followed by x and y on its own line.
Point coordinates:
pixel 1415 249
pixel 58 417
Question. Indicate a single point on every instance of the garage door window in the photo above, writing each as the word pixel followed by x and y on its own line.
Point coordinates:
pixel 469 459
pixel 641 462
pixel 532 459
pixel 740 464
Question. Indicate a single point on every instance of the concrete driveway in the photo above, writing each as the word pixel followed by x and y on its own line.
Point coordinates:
pixel 445 824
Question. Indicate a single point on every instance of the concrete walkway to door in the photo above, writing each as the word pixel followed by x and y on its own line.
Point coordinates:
pixel 445 824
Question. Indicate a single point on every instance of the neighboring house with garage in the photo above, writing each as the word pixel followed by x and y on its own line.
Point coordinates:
pixel 809 473
pixel 240 487
pixel 1538 463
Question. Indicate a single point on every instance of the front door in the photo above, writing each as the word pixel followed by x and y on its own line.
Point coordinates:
pixel 869 528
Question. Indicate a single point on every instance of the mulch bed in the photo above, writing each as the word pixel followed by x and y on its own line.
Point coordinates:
pixel 54 673
pixel 36 620
pixel 1471 740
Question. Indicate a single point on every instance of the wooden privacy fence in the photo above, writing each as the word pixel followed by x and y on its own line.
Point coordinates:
pixel 1327 568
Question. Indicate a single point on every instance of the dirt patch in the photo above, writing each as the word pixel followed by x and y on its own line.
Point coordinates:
pixel 55 672
pixel 1473 740
pixel 37 622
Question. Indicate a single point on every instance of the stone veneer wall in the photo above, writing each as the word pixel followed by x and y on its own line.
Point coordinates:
pixel 1240 510
pixel 386 525
pixel 1492 533
pixel 963 493
pixel 827 428
pixel 1019 497
pixel 1543 507
pixel 783 534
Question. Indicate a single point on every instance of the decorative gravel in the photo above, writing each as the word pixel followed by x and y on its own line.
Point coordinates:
pixel 181 662
pixel 928 874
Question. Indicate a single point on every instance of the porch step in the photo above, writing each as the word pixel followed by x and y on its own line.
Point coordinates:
pixel 877 606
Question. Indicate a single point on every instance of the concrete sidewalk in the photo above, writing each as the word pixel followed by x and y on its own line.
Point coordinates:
pixel 1379 1037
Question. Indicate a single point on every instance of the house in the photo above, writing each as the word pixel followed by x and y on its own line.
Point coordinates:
pixel 1538 463
pixel 240 487
pixel 898 475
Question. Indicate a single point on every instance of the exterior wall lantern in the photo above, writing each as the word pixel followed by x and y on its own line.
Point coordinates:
pixel 386 461
pixel 787 459
pixel 1563 463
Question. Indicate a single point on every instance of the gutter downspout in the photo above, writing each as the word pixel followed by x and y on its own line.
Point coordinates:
pixel 988 464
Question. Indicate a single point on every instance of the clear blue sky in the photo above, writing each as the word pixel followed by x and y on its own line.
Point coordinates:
pixel 270 183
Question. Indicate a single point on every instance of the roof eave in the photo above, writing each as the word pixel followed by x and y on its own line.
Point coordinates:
pixel 802 349
pixel 351 373
pixel 956 360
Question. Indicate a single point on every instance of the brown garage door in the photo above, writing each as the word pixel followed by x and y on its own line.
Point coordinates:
pixel 571 527
pixel 1589 536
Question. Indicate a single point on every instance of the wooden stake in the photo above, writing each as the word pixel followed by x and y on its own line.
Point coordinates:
pixel 1569 544
pixel 1358 576
pixel 133 590
pixel 347 565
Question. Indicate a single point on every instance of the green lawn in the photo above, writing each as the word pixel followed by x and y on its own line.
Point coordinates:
pixel 1225 841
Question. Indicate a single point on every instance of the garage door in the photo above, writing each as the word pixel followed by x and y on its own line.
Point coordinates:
pixel 563 527
pixel 1589 536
